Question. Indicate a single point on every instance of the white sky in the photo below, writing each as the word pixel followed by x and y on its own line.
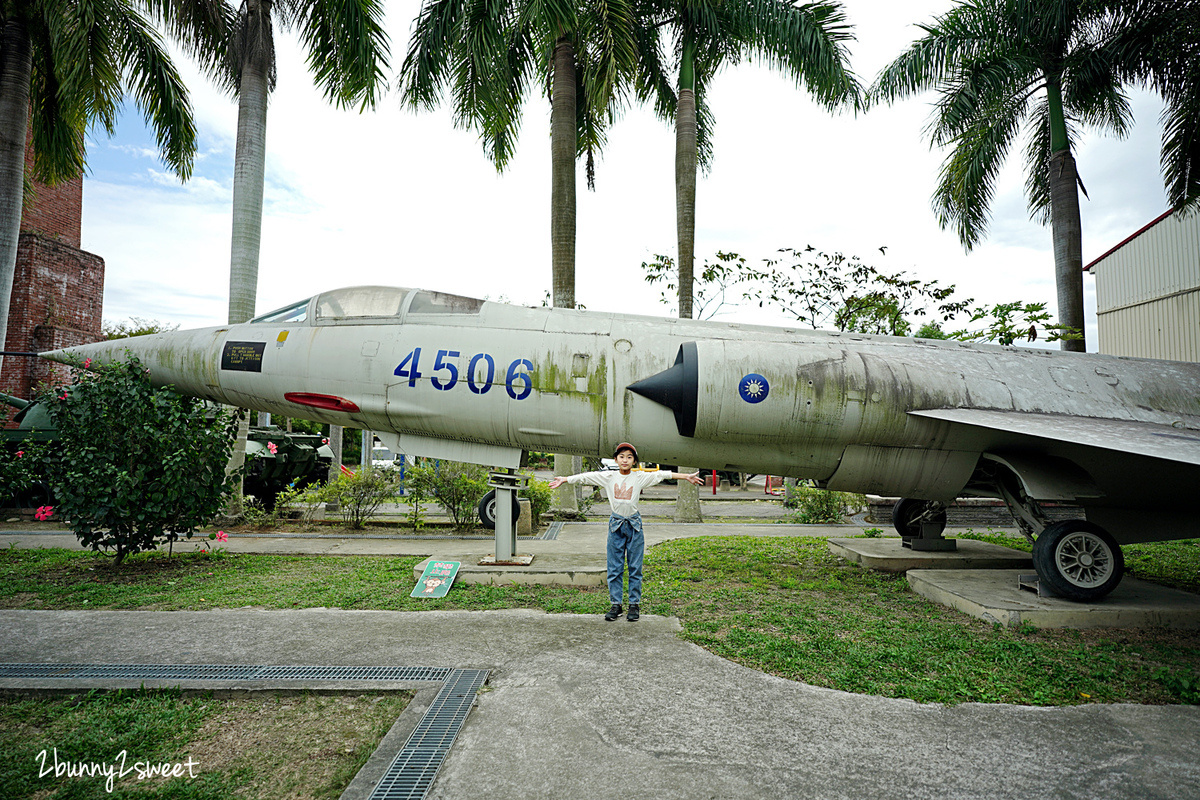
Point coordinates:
pixel 403 198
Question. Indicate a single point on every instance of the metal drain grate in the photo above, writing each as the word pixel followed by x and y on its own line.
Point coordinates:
pixel 553 530
pixel 412 773
pixel 223 672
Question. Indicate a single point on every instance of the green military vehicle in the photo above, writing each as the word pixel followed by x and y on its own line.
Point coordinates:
pixel 276 458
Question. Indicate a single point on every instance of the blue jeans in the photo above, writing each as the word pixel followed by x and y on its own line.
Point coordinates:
pixel 626 543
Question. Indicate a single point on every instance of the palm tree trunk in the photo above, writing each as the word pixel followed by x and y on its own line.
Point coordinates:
pixel 687 496
pixel 563 146
pixel 16 66
pixel 1065 227
pixel 685 196
pixel 249 170
pixel 1068 246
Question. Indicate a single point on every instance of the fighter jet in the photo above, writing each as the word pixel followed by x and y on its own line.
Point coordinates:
pixel 446 376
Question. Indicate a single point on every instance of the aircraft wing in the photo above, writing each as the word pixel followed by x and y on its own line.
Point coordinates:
pixel 1181 445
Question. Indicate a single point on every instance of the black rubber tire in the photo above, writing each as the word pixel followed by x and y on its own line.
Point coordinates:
pixel 1078 560
pixel 487 510
pixel 905 514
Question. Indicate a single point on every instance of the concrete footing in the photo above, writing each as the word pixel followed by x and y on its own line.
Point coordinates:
pixel 994 596
pixel 888 555
pixel 561 569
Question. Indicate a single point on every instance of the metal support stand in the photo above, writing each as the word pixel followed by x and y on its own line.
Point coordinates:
pixel 1034 583
pixel 930 540
pixel 507 484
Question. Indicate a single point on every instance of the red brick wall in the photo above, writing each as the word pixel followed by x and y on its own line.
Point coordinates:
pixel 56 211
pixel 58 289
pixel 57 301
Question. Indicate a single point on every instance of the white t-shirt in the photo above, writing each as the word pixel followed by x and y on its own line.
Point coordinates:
pixel 623 491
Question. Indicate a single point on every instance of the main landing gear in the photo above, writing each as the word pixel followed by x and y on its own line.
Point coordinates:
pixel 1076 559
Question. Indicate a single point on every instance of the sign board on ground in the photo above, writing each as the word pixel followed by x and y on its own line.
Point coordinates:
pixel 436 579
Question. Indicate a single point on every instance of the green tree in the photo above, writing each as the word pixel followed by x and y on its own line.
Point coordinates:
pixel 65 67
pixel 806 42
pixel 135 466
pixel 1049 65
pixel 488 54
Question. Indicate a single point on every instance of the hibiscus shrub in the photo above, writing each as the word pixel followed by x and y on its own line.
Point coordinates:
pixel 135 466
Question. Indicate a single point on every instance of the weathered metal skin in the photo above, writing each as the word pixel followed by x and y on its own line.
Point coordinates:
pixel 480 381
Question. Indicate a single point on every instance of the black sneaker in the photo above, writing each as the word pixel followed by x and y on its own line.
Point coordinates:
pixel 613 612
pixel 635 612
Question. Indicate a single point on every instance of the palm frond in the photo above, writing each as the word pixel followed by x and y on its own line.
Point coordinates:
pixel 156 87
pixel 347 49
pixel 1002 78
pixel 967 179
pixel 966 32
pixel 203 28
pixel 426 67
pixel 252 42
pixel 1092 92
pixel 807 42
pixel 57 120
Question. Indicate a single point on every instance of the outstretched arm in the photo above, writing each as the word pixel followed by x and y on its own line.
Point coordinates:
pixel 693 478
pixel 557 482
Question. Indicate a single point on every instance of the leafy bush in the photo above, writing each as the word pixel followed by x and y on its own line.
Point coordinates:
pixel 455 486
pixel 135 466
pixel 360 494
pixel 540 497
pixel 815 506
pixel 20 470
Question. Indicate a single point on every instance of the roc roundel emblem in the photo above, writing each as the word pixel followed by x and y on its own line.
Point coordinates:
pixel 754 388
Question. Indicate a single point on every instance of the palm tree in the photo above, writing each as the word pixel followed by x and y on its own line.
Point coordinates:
pixel 806 42
pixel 1000 65
pixel 67 66
pixel 347 52
pixel 487 55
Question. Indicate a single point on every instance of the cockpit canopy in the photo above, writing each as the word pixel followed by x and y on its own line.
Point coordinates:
pixel 365 305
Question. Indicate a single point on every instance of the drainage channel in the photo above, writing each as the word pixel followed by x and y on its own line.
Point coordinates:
pixel 411 773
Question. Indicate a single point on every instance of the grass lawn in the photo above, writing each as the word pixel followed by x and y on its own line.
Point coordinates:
pixel 307 747
pixel 785 606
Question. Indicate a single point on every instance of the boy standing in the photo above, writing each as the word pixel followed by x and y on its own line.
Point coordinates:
pixel 626 542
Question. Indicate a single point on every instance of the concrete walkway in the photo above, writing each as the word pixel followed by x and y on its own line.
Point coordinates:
pixel 578 707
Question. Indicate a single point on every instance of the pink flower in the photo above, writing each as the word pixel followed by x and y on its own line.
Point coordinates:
pixel 222 536
pixel 271 446
pixel 44 513
pixel 20 453
pixel 62 396
pixel 87 362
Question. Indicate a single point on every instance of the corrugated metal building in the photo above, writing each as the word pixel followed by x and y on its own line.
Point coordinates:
pixel 1148 291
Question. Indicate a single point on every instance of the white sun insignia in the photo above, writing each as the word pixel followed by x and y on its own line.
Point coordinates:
pixel 754 388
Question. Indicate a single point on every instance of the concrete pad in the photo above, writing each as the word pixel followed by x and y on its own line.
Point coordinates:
pixel 887 555
pixel 555 569
pixel 993 596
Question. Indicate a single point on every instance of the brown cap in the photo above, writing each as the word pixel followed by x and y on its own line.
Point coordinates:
pixel 625 446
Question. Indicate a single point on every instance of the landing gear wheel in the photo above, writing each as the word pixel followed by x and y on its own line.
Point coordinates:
pixel 907 517
pixel 1079 560
pixel 487 510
